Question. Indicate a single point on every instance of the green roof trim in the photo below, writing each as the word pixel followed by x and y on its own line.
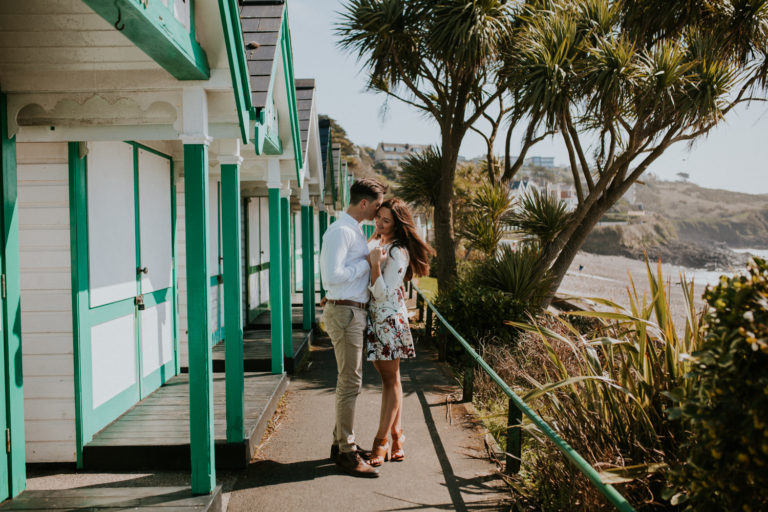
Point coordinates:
pixel 153 28
pixel 266 136
pixel 233 37
pixel 290 84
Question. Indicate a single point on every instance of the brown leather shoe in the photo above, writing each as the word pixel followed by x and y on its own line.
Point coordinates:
pixel 351 463
pixel 365 454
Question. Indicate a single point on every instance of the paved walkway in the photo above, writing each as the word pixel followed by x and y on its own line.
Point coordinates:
pixel 445 466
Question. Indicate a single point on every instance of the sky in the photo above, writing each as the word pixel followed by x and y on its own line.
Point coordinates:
pixel 734 155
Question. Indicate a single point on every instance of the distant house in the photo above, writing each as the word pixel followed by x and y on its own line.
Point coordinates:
pixel 394 154
pixel 519 188
pixel 565 193
pixel 547 162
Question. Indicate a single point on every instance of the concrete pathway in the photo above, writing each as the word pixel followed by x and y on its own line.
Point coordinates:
pixel 445 466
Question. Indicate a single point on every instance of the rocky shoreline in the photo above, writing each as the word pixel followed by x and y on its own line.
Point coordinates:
pixel 711 256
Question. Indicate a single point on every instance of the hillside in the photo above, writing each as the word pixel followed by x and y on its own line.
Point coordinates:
pixel 686 224
pixel 706 215
pixel 359 160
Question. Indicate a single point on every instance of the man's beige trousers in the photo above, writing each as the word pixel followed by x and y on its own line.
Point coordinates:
pixel 345 325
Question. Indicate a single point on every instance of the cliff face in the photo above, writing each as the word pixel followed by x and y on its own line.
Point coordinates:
pixel 749 230
pixel 657 237
pixel 687 225
pixel 708 216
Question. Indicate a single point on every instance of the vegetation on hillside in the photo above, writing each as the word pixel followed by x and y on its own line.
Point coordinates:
pixel 359 160
pixel 706 215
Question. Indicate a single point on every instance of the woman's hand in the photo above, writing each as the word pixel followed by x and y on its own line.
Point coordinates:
pixel 377 255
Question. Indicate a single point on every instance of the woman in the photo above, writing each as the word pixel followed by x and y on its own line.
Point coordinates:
pixel 397 254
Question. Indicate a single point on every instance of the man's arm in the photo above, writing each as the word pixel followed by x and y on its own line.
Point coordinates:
pixel 336 244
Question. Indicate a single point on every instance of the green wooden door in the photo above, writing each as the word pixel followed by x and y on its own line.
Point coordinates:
pixel 5 467
pixel 12 460
pixel 126 310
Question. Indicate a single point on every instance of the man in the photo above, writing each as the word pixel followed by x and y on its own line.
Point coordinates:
pixel 345 271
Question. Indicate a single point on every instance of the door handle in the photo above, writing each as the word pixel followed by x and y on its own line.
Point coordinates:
pixel 138 301
pixel 140 270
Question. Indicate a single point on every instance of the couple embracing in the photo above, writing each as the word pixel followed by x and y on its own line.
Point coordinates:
pixel 365 315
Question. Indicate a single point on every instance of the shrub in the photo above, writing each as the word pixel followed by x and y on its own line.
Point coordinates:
pixel 478 311
pixel 606 393
pixel 539 216
pixel 491 292
pixel 727 407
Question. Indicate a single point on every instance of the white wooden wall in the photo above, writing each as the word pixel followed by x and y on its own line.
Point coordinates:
pixel 46 302
pixel 181 267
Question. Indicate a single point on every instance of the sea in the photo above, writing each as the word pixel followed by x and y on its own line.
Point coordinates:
pixel 711 277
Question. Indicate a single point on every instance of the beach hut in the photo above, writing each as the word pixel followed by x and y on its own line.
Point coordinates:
pixel 123 262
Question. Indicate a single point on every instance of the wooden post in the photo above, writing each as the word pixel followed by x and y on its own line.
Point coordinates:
pixel 469 380
pixel 312 269
pixel 307 255
pixel 275 268
pixel 285 234
pixel 199 328
pixel 428 326
pixel 323 221
pixel 514 431
pixel 420 306
pixel 233 293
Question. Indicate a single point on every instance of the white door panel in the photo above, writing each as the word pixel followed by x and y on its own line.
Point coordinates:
pixel 155 221
pixel 254 243
pixel 113 358
pixel 156 337
pixel 111 222
pixel 213 227
pixel 262 228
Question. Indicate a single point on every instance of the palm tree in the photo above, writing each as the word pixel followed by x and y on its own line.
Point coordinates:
pixel 637 77
pixel 419 178
pixel 435 57
pixel 483 225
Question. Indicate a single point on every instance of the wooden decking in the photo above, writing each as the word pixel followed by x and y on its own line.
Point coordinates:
pixel 116 498
pixel 297 319
pixel 154 434
pixel 257 351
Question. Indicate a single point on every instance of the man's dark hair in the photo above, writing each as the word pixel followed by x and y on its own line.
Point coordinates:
pixel 365 188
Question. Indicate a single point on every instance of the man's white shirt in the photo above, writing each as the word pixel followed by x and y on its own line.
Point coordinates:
pixel 343 267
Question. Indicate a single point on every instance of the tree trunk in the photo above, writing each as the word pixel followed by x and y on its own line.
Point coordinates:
pixel 445 242
pixel 566 255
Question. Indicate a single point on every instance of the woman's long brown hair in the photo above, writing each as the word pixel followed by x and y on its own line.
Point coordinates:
pixel 405 235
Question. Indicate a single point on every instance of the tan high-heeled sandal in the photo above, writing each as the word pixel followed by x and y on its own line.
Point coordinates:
pixel 379 452
pixel 398 438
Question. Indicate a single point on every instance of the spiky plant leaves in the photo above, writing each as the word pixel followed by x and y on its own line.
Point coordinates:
pixel 514 272
pixel 539 216
pixel 418 181
pixel 483 225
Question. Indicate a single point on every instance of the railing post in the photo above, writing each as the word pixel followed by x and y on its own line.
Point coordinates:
pixel 469 381
pixel 420 307
pixel 442 343
pixel 514 432
pixel 428 325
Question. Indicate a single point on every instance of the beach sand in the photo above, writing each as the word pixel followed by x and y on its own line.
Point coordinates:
pixel 607 277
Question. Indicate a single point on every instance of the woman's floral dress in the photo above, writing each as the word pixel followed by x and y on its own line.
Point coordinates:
pixel 387 334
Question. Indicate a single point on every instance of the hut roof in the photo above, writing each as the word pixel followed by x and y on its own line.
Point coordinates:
pixel 305 91
pixel 261 21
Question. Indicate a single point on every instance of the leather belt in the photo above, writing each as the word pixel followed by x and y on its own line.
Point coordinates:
pixel 351 303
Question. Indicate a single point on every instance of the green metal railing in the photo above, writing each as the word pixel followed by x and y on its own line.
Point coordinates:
pixel 517 408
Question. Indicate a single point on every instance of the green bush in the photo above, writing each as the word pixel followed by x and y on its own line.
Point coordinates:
pixel 606 392
pixel 727 468
pixel 490 292
pixel 478 312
